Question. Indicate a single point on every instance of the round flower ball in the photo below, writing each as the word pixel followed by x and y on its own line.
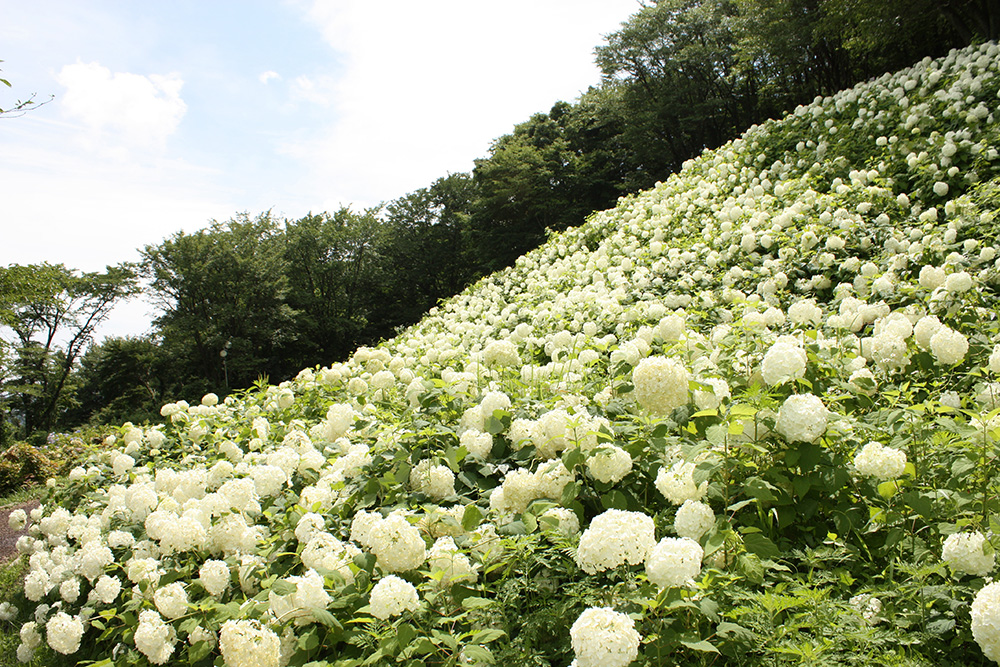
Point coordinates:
pixel 391 596
pixel 249 643
pixel 693 519
pixel 155 638
pixel 802 417
pixel 661 384
pixel 784 361
pixel 882 463
pixel 676 483
pixel 948 346
pixel 674 561
pixel 603 637
pixel 964 553
pixel 986 620
pixel 64 632
pixel 610 464
pixel 614 538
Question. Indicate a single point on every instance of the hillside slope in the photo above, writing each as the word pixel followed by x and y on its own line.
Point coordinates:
pixel 746 417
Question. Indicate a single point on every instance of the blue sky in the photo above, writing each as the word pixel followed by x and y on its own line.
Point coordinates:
pixel 167 115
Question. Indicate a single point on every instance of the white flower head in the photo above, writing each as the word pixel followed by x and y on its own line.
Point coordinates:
pixel 802 417
pixel 603 637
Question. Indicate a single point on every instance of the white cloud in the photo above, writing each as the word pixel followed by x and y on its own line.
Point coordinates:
pixel 130 110
pixel 268 75
pixel 427 86
pixel 321 90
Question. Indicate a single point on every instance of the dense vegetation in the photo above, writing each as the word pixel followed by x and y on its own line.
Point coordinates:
pixel 749 416
pixel 274 295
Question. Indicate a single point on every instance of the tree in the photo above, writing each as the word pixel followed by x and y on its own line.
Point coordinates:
pixel 221 289
pixel 121 379
pixel 50 314
pixel 549 174
pixel 425 251
pixel 672 76
pixel 333 280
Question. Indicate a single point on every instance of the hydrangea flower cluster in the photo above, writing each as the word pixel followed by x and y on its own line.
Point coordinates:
pixel 967 553
pixel 391 596
pixel 880 462
pixel 603 637
pixel 614 538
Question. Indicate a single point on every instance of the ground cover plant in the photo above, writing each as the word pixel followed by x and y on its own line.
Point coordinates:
pixel 747 417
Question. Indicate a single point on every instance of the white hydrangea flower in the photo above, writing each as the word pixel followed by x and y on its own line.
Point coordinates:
pixel 362 525
pixel 445 558
pixel 924 330
pixel 247 642
pixel 661 384
pixel 107 588
pixel 868 606
pixel 391 596
pixel 171 600
pixel 610 464
pixel 784 361
pixel 959 282
pixel 17 519
pixel 985 614
pixel 477 443
pixel 7 611
pixel 614 538
pixel 603 637
pixel 802 417
pixel 693 519
pixel 562 520
pixel 501 353
pixel 674 561
pixel 397 544
pixel 948 346
pixel 882 463
pixel 64 633
pixel 964 552
pixel 435 480
pixel 676 483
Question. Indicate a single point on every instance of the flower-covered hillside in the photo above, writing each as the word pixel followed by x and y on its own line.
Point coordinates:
pixel 747 417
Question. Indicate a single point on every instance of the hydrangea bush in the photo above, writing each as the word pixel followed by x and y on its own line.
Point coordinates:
pixel 749 416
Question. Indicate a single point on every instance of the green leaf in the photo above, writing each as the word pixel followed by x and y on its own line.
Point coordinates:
pixel 759 489
pixel 759 545
pixel 282 587
pixel 472 602
pixel 742 410
pixel 614 500
pixel 471 517
pixel 726 628
pixel 405 634
pixel 573 457
pixel 701 645
pixel 199 651
pixel 324 617
pixel 488 635
pixel 569 493
pixel 477 655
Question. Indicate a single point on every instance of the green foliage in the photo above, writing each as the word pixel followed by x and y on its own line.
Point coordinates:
pixel 49 314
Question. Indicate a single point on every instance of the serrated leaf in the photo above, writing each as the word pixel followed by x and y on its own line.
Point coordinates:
pixel 488 635
pixel 199 651
pixel 761 546
pixel 476 602
pixel 324 617
pixel 702 645
pixel 471 517
pixel 282 587
pixel 569 493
